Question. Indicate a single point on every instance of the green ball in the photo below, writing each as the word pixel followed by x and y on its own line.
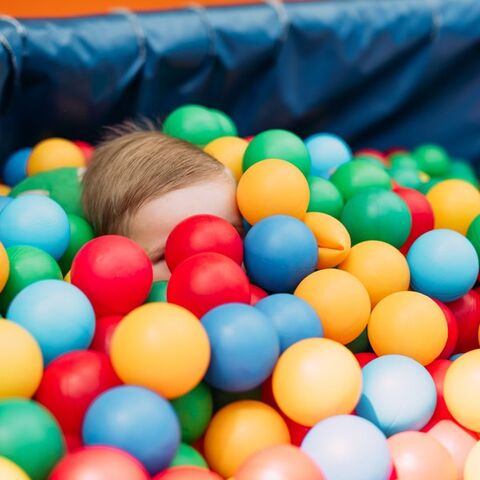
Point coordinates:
pixel 194 411
pixel 406 177
pixel 462 171
pixel 30 437
pixel 324 197
pixel 403 160
pixel 280 144
pixel 80 233
pixel 222 398
pixel 359 175
pixel 360 344
pixel 158 293
pixel 432 159
pixel 426 186
pixel 195 124
pixel 187 455
pixel 27 265
pixel 377 215
pixel 473 234
pixel 371 159
pixel 228 127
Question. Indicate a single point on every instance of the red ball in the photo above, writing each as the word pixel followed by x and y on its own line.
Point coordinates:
pixel 421 212
pixel 199 234
pixel 99 463
pixel 371 152
pixel 71 383
pixel 207 280
pixel 86 148
pixel 256 294
pixel 365 357
pixel 187 473
pixel 452 330
pixel 467 313
pixel 104 329
pixel 114 273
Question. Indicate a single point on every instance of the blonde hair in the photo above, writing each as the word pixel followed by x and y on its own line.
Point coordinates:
pixel 135 165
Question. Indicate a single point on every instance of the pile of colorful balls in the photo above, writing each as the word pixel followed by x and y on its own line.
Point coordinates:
pixel 338 340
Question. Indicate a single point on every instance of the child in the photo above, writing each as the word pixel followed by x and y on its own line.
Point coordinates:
pixel 142 183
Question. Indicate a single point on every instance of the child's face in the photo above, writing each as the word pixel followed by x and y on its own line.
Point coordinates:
pixel 152 224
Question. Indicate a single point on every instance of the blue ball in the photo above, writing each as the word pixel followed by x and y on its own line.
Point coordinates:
pixel 57 314
pixel 398 394
pixel 4 201
pixel 327 152
pixel 15 167
pixel 293 318
pixel 136 420
pixel 346 447
pixel 443 265
pixel 280 251
pixel 244 347
pixel 38 221
pixel 454 357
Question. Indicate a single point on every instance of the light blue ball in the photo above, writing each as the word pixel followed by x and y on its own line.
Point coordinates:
pixel 328 152
pixel 15 167
pixel 244 347
pixel 398 394
pixel 443 265
pixel 293 318
pixel 346 447
pixel 4 201
pixel 57 314
pixel 136 420
pixel 38 221
pixel 280 251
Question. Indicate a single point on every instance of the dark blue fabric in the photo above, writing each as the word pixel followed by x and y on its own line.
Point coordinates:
pixel 380 73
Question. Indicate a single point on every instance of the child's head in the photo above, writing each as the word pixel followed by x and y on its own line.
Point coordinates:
pixel 142 184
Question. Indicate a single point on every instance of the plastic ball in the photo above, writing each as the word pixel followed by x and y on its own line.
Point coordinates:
pixel 21 362
pixel 187 473
pixel 357 176
pixel 305 387
pixel 410 324
pixel 443 264
pixel 137 421
pixel 114 273
pixel 360 344
pixel 403 160
pixel 226 123
pixel 238 431
pixel 27 265
pixel 398 394
pixel 280 144
pixel 245 347
pixel 455 204
pixel 328 152
pixel 282 462
pixel 11 471
pixel 327 291
pixel 15 166
pixel 37 221
pixel 200 234
pixel 473 234
pixel 381 268
pixel 4 190
pixel 30 437
pixel 279 252
pixel 324 197
pixel 272 187
pixel 161 346
pixel 432 159
pixel 71 383
pixel 229 151
pixel 206 280
pixel 4 267
pixel 256 294
pixel 293 318
pixel 364 358
pixel 438 369
pixel 158 293
pixel 4 201
pixel 99 463
pixel 462 170
pixel 419 456
pixel 57 314
pixel 87 149
pixel 472 464
pixel 104 329
pixel 222 399
pixel 406 177
pixel 466 311
pixel 54 153
pixel 377 215
pixel 346 447
pixel 332 238
pixel 452 326
pixel 187 455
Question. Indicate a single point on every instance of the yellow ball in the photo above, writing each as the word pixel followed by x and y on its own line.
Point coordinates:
pixel 381 268
pixel 54 153
pixel 315 379
pixel 238 431
pixel 11 471
pixel 4 190
pixel 340 300
pixel 68 277
pixel 21 361
pixel 455 204
pixel 461 390
pixel 272 187
pixel 332 237
pixel 410 324
pixel 4 267
pixel 161 346
pixel 472 464
pixel 229 151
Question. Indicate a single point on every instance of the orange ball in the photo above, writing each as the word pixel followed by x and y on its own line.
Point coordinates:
pixel 229 151
pixel 4 190
pixel 272 187
pixel 238 431
pixel 4 267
